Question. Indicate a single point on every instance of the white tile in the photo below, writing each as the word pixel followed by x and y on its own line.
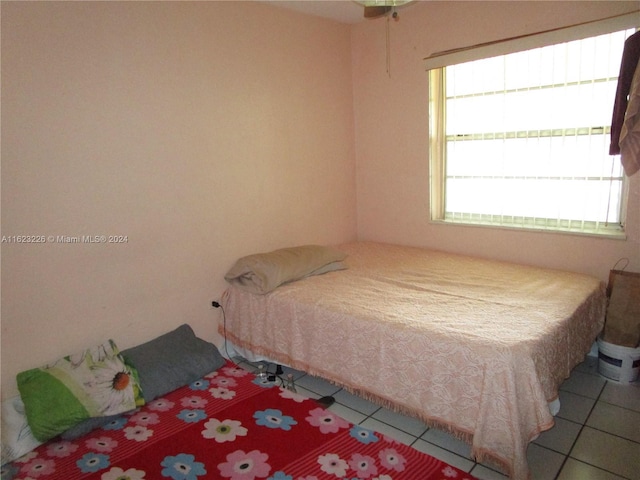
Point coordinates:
pixel 627 396
pixel 575 470
pixel 405 423
pixel 543 463
pixel 447 441
pixel 561 437
pixel 297 374
pixel 484 473
pixel 347 413
pixel 307 393
pixel 490 466
pixel 388 430
pixel 608 452
pixel 249 367
pixel 444 455
pixel 583 384
pixel 618 421
pixel 575 407
pixel 318 385
pixel 589 365
pixel 356 403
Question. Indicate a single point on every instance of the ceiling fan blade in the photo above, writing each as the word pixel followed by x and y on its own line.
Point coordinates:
pixel 376 11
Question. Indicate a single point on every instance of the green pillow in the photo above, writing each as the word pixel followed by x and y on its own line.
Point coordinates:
pixel 163 364
pixel 94 383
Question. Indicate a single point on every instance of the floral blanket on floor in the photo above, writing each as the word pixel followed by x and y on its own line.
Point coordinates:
pixel 230 425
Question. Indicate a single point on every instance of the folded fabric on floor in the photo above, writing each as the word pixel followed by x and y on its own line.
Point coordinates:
pixel 230 424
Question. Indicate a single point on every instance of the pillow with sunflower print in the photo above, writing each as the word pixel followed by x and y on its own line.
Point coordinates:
pixel 93 383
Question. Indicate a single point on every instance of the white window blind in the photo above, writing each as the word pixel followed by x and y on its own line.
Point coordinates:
pixel 521 139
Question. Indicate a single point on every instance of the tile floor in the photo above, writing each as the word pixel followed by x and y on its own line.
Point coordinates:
pixel 596 436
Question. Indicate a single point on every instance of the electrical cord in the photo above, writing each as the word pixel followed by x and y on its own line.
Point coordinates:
pixel 272 377
pixel 289 384
pixel 215 304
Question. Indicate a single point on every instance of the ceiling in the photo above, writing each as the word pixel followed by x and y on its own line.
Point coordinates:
pixel 343 11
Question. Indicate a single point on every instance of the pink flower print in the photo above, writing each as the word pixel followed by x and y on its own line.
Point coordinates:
pixel 222 393
pixel 160 405
pixel 116 473
pixel 145 419
pixel 245 466
pixel 296 397
pixel 450 472
pixel 139 433
pixel 193 402
pixel 235 372
pixel 223 431
pixel 27 457
pixel 333 464
pixel 38 467
pixel 224 382
pixel 389 439
pixel 61 449
pixel 391 459
pixel 326 421
pixel 102 444
pixel 364 465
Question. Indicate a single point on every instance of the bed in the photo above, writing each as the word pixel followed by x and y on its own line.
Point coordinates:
pixel 472 346
pixel 226 424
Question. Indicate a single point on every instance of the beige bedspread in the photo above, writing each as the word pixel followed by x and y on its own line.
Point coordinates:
pixel 474 346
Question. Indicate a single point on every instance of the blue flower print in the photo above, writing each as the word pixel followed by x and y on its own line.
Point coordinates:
pixel 115 424
pixel 92 462
pixel 182 467
pixel 363 435
pixel 272 418
pixel 263 382
pixel 201 384
pixel 280 476
pixel 192 416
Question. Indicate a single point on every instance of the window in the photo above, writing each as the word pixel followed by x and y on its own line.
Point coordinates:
pixel 522 139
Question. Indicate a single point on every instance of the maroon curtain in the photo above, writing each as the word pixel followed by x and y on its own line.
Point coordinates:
pixel 630 58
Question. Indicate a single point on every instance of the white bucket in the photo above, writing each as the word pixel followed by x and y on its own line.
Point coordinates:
pixel 618 363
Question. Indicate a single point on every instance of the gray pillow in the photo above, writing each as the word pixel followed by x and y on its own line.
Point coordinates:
pixel 172 360
pixel 261 273
pixel 164 364
pixel 86 426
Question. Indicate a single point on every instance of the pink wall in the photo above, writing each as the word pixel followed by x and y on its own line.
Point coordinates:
pixel 203 131
pixel 391 114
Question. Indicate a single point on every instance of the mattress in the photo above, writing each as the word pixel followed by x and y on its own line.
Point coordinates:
pixel 473 346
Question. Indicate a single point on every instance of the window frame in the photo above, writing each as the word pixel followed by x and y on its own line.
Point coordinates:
pixel 437 118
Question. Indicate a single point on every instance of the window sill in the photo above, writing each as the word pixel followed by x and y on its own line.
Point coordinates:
pixel 611 232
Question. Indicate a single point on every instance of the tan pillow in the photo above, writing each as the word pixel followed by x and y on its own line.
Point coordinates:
pixel 263 272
